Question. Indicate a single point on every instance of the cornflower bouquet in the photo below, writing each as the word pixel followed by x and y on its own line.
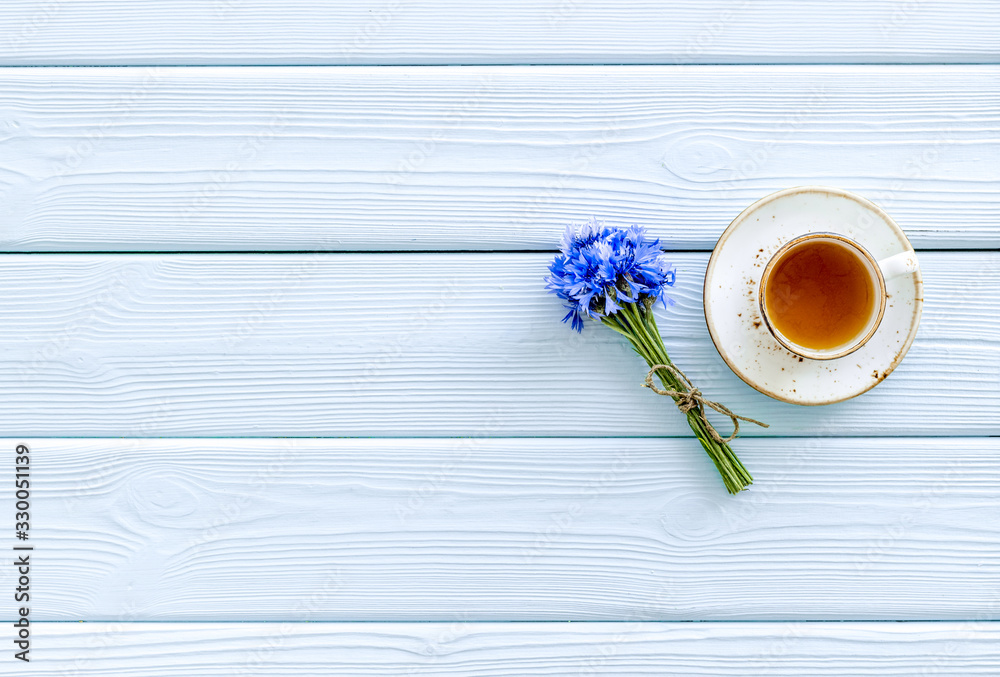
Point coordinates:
pixel 616 275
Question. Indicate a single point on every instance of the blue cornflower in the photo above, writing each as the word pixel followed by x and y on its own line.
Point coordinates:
pixel 615 275
pixel 601 267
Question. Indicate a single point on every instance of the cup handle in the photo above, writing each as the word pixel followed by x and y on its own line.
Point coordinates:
pixel 903 263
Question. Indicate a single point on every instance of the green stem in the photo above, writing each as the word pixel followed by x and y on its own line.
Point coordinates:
pixel 639 327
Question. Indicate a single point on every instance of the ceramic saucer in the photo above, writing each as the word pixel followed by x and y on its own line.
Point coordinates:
pixel 731 296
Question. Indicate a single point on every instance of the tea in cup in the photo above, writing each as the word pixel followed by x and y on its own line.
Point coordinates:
pixel 823 295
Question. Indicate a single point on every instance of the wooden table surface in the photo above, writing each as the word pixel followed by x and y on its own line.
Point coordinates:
pixel 274 329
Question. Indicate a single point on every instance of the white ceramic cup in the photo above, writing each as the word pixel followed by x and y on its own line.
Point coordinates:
pixel 900 264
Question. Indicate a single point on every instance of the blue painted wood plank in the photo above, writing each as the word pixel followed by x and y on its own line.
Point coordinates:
pixel 462 649
pixel 421 345
pixel 386 159
pixel 510 529
pixel 253 32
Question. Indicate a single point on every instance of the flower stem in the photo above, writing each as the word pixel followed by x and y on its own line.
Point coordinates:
pixel 639 327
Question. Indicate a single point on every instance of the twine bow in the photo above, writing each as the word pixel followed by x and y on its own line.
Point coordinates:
pixel 691 398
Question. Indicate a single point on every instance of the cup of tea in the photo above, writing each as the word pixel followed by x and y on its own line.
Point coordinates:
pixel 823 295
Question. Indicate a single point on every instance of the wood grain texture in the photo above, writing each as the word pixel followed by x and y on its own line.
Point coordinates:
pixel 199 32
pixel 461 649
pixel 420 345
pixel 208 159
pixel 511 529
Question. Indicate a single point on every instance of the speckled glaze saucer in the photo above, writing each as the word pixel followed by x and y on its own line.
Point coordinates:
pixel 733 279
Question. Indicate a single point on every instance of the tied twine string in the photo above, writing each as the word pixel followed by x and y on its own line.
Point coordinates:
pixel 691 398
